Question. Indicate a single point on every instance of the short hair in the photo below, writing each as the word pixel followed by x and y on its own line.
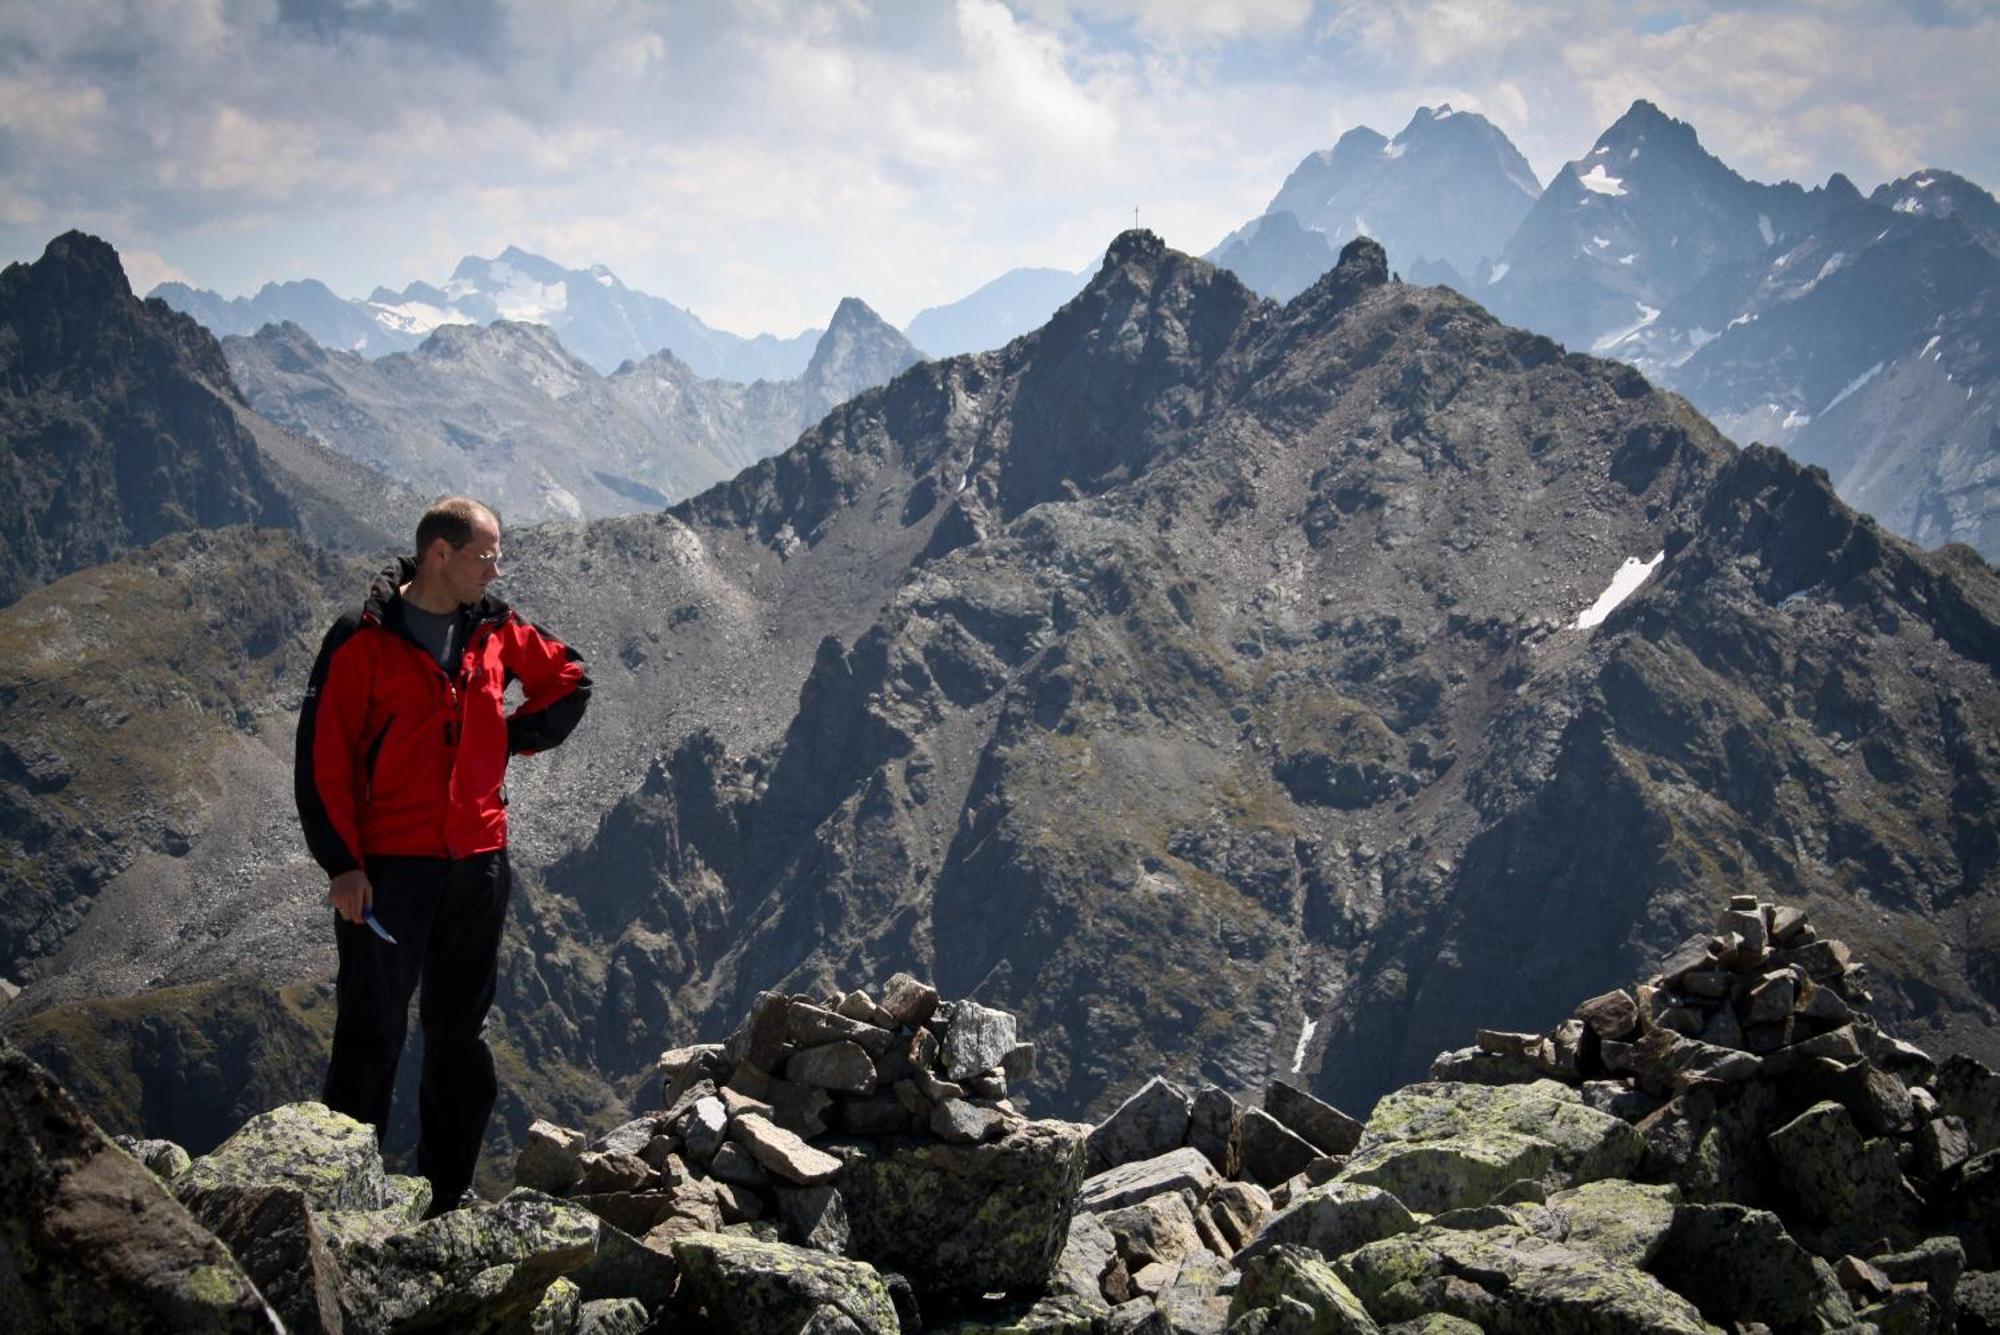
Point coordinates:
pixel 451 518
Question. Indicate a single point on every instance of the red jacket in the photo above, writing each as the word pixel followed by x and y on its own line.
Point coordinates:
pixel 395 756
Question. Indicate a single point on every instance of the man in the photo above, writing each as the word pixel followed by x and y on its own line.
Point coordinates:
pixel 402 748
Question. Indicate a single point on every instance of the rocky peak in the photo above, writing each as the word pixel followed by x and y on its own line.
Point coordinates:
pixel 1137 245
pixel 117 417
pixel 1933 193
pixel 858 350
pixel 1645 122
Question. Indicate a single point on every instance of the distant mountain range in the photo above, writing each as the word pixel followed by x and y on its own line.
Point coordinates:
pixel 1856 333
pixel 596 316
pixel 507 413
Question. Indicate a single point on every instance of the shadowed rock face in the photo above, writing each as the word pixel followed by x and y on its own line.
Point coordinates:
pixel 117 421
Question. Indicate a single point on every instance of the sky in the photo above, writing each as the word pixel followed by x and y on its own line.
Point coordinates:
pixel 757 161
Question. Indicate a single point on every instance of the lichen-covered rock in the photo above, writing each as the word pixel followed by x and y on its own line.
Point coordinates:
pixel 1158 1230
pixel 1510 1280
pixel 1151 1122
pixel 1293 1274
pixel 275 1238
pixel 964 1219
pixel 328 1156
pixel 1850 1191
pixel 1586 1144
pixel 1623 1222
pixel 167 1160
pixel 90 1239
pixel 1332 1220
pixel 611 1316
pixel 1433 1323
pixel 468 1270
pixel 1451 1172
pixel 1739 1264
pixel 1086 1255
pixel 751 1287
pixel 558 1312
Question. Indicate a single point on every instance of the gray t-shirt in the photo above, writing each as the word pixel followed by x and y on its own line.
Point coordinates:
pixel 443 633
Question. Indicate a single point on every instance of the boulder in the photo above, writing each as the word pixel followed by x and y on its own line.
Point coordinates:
pixel 707 1125
pixel 1509 1279
pixel 908 1001
pixel 1614 1015
pixel 166 1159
pixel 957 1122
pixel 1329 1129
pixel 751 1287
pixel 550 1158
pixel 1623 1222
pixel 964 1219
pixel 976 1040
pixel 1935 1263
pixel 1288 1278
pixel 1969 1091
pixel 1331 1220
pixel 1849 1191
pixel 1057 1314
pixel 331 1158
pixel 1159 1230
pixel 810 1026
pixel 611 1316
pixel 783 1154
pixel 815 1217
pixel 1151 1122
pixel 1237 1210
pixel 469 1270
pixel 1585 1144
pixel 842 1066
pixel 1178 1170
pixel 625 1269
pixel 107 1245
pixel 1087 1253
pixel 1453 1171
pixel 612 1170
pixel 1272 1151
pixel 1215 1127
pixel 1739 1264
pixel 274 1237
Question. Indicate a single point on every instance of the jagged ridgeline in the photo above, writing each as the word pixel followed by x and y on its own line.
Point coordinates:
pixel 847 1164
pixel 1206 682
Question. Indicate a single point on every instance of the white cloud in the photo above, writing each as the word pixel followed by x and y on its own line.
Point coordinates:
pixel 147 269
pixel 757 161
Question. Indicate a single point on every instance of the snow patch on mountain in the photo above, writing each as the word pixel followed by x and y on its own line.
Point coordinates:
pixel 1599 181
pixel 1629 577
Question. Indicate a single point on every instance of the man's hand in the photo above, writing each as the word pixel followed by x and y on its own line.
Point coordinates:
pixel 350 894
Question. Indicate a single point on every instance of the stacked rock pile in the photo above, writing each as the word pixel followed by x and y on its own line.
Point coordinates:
pixel 1764 995
pixel 1732 1144
pixel 880 1131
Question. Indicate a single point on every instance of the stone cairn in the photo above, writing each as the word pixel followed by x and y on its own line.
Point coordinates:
pixel 879 1131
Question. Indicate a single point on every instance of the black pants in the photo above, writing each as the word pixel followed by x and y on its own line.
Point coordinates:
pixel 446 916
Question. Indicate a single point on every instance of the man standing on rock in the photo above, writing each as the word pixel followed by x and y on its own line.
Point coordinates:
pixel 402 750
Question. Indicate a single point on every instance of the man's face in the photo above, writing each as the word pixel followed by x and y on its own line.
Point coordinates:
pixel 469 569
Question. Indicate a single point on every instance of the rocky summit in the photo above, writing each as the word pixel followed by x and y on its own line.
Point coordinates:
pixel 1731 1144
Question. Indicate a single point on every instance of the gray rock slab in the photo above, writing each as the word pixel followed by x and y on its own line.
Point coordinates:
pixel 1329 1129
pixel 327 1155
pixel 841 1066
pixel 1184 1169
pixel 1153 1120
pixel 783 1154
pixel 747 1284
pixel 1272 1151
pixel 1331 1220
